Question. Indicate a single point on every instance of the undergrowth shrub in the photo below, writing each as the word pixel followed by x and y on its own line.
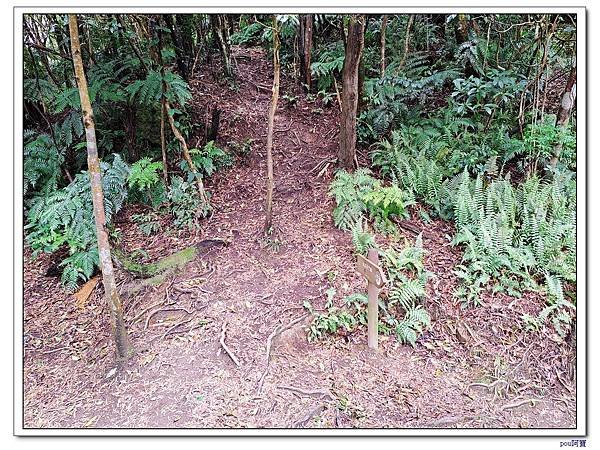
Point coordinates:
pixel 401 309
pixel 65 217
pixel 145 183
pixel 514 236
pixel 207 160
pixel 185 205
pixel 359 195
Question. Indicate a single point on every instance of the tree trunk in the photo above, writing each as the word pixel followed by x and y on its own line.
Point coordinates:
pixel 182 66
pixel 354 47
pixel 270 126
pixel 123 344
pixel 407 39
pixel 564 110
pixel 305 47
pixel 382 38
pixel 220 29
pixel 163 144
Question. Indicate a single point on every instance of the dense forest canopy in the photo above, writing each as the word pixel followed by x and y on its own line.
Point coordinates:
pixel 470 118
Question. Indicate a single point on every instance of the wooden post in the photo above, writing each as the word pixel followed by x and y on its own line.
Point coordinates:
pixel 373 308
pixel 369 267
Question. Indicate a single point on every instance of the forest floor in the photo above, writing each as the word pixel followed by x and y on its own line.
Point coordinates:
pixel 181 377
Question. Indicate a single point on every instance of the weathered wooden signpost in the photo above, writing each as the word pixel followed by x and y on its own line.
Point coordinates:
pixel 369 268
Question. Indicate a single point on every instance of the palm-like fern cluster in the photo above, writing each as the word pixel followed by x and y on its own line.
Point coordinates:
pixel 513 236
pixel 65 217
pixel 396 97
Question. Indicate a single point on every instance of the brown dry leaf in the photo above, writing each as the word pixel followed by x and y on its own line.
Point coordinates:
pixel 148 359
pixel 90 422
pixel 81 296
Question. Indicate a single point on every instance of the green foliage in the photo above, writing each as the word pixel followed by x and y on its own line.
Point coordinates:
pixel 558 310
pixel 384 203
pixel 41 164
pixel 400 311
pixel 207 160
pixel 144 173
pixel 65 217
pixel 249 34
pixel 148 222
pixel 416 173
pixel 540 141
pixel 149 91
pixel 407 278
pixel 396 98
pixel 145 183
pixel 495 92
pixel 362 240
pixel 358 194
pixel 512 235
pixel 348 190
pixel 185 206
pixel 331 322
pixel 328 62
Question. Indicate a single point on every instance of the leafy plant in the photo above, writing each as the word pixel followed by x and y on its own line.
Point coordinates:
pixel 42 162
pixel 348 190
pixel 361 238
pixel 513 235
pixel 386 202
pixel 207 160
pixel 148 222
pixel 558 310
pixel 400 311
pixel 145 183
pixel 65 217
pixel 149 91
pixel 185 206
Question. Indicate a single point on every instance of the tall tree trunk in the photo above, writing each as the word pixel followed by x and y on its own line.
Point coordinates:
pixel 354 47
pixel 220 29
pixel 384 22
pixel 123 344
pixel 305 47
pixel 407 39
pixel 163 144
pixel 182 66
pixel 270 126
pixel 566 106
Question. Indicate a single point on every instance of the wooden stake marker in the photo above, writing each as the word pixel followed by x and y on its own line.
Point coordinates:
pixel 370 269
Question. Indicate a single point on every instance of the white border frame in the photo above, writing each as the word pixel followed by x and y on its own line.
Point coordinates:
pixel 582 401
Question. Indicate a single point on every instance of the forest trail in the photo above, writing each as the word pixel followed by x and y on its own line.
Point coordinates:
pixel 242 293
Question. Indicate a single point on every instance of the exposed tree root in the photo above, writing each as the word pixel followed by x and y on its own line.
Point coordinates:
pixel 277 331
pixel 225 347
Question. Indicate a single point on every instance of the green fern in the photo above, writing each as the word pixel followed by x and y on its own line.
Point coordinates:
pixel 362 240
pixel 65 217
pixel 348 190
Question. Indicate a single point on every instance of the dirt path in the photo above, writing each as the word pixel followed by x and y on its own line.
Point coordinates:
pixel 181 377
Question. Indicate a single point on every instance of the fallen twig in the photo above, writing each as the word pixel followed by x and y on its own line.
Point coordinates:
pixel 224 345
pixel 321 393
pixel 489 386
pixel 521 403
pixel 163 310
pixel 140 315
pixel 177 325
